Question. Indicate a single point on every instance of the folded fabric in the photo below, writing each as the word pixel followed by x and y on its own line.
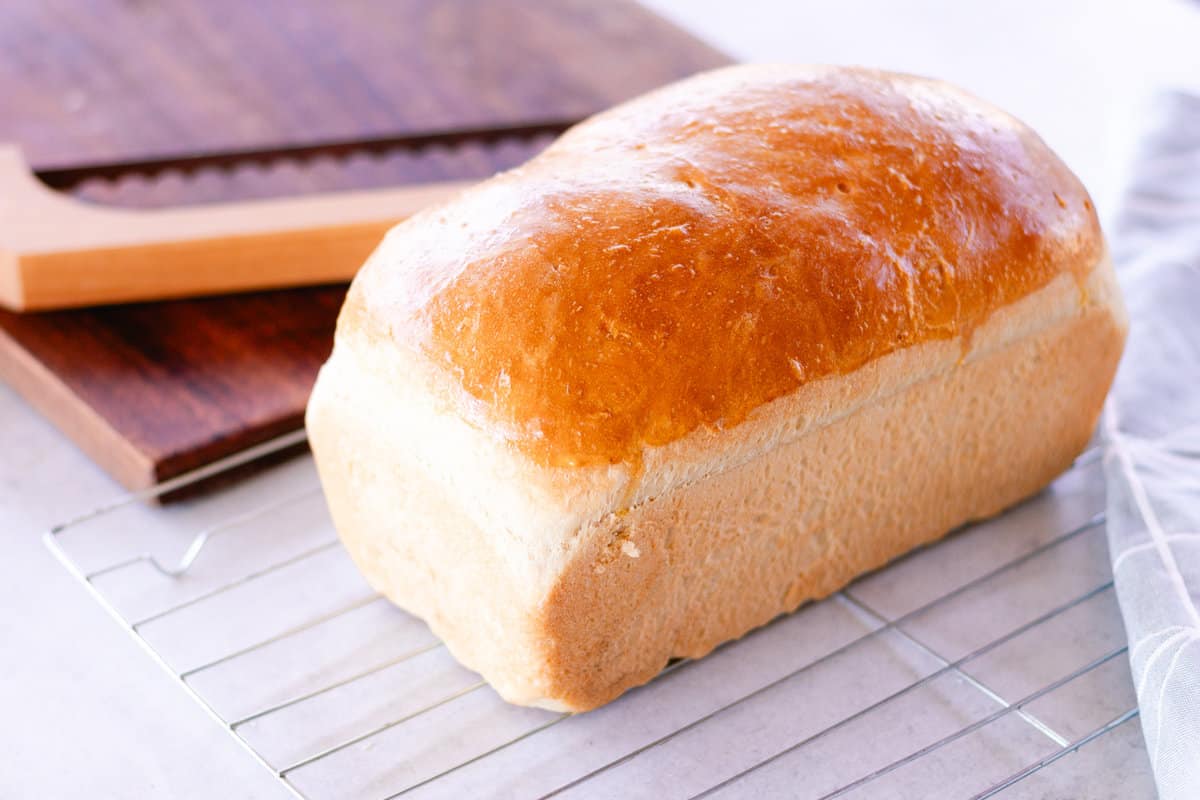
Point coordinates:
pixel 1151 432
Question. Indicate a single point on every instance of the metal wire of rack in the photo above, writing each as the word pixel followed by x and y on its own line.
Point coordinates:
pixel 999 648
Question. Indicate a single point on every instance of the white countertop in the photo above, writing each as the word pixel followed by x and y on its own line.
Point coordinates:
pixel 87 714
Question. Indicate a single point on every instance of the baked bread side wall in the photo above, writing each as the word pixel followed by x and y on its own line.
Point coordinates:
pixel 416 543
pixel 679 575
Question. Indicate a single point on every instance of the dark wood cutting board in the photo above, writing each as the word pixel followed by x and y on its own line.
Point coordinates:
pixel 152 390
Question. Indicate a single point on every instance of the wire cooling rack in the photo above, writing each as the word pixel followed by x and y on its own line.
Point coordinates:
pixel 969 668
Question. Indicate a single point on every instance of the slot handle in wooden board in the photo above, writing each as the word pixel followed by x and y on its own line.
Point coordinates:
pixel 58 252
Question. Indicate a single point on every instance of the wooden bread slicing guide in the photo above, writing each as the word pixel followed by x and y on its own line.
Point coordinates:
pixel 58 252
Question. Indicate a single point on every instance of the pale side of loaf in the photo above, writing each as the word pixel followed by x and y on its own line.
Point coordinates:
pixel 646 393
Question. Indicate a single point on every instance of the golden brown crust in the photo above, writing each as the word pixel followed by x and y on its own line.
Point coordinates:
pixel 681 260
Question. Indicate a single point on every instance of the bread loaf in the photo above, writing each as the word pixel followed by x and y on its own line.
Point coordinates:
pixel 711 355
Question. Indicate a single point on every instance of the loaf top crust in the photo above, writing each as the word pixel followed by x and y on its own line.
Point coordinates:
pixel 685 258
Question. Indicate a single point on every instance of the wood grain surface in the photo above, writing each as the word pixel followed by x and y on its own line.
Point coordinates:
pixel 57 252
pixel 152 390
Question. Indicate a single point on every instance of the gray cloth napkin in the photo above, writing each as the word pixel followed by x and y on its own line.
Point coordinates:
pixel 1151 431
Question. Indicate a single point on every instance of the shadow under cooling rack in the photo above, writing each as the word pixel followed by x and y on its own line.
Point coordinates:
pixel 966 669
